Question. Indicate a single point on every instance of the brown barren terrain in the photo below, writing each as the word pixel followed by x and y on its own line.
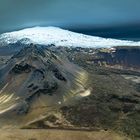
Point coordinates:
pixel 17 134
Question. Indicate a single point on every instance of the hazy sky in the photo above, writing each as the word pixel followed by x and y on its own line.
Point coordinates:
pixel 16 14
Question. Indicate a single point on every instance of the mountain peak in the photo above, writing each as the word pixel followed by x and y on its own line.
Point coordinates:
pixel 30 50
pixel 61 37
pixel 35 72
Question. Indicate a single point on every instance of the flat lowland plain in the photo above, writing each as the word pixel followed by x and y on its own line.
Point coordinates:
pixel 49 134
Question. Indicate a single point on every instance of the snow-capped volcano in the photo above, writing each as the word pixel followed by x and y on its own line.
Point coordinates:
pixel 60 37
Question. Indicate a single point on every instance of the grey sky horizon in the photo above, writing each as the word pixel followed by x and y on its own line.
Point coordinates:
pixel 17 14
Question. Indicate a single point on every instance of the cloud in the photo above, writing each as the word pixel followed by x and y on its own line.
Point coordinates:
pixel 16 14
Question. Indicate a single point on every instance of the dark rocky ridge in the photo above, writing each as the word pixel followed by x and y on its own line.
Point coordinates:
pixel 36 71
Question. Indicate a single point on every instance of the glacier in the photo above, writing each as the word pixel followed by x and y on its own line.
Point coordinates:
pixel 61 37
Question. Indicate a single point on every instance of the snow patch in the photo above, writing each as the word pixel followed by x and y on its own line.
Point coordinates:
pixel 60 37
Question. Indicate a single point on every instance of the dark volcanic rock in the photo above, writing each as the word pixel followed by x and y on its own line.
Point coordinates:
pixel 20 68
pixel 58 75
